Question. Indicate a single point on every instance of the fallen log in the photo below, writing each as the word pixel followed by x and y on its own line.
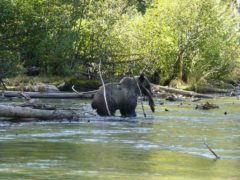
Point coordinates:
pixel 179 91
pixel 10 111
pixel 59 95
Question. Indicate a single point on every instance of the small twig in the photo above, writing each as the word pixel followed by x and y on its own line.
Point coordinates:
pixel 26 96
pixel 76 90
pixel 143 109
pixel 3 84
pixel 82 93
pixel 104 89
pixel 217 157
pixel 140 95
pixel 141 99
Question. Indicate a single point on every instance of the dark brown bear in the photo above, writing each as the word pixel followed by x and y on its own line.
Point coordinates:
pixel 122 96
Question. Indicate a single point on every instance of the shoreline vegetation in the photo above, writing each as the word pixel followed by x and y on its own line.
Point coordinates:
pixel 52 88
pixel 56 84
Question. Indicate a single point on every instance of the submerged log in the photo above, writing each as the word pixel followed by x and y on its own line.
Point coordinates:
pixel 179 91
pixel 206 106
pixel 11 111
pixel 88 94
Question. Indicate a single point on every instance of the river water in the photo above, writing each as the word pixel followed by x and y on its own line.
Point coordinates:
pixel 168 144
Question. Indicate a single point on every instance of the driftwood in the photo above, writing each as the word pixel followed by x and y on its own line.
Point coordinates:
pixel 11 111
pixel 157 88
pixel 88 94
pixel 35 108
pixel 36 104
pixel 210 149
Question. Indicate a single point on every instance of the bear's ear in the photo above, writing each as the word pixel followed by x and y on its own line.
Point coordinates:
pixel 141 78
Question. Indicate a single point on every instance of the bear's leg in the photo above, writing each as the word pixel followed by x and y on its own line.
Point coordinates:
pixel 128 113
pixel 104 112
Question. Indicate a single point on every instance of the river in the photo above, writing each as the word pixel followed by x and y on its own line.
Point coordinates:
pixel 167 144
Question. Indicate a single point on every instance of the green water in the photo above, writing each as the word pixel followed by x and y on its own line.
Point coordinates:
pixel 165 145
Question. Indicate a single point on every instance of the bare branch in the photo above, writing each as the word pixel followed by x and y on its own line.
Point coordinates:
pixel 217 157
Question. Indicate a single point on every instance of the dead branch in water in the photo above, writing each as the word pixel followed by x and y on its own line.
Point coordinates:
pixel 206 106
pixel 104 89
pixel 216 156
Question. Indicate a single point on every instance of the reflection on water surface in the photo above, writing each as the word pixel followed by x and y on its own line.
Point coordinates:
pixel 166 145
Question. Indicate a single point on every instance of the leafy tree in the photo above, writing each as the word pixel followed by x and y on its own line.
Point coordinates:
pixel 9 56
pixel 9 65
pixel 187 40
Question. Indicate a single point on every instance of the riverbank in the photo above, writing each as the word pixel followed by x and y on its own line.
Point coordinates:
pixel 56 84
pixel 50 84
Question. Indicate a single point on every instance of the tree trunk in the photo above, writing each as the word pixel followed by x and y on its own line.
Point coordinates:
pixel 178 67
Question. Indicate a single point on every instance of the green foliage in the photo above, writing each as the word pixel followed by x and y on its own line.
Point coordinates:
pixel 81 84
pixel 9 64
pixel 190 40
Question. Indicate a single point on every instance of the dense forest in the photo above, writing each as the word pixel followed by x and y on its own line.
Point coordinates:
pixel 193 41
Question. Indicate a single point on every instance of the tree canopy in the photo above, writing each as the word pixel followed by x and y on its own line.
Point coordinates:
pixel 190 40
